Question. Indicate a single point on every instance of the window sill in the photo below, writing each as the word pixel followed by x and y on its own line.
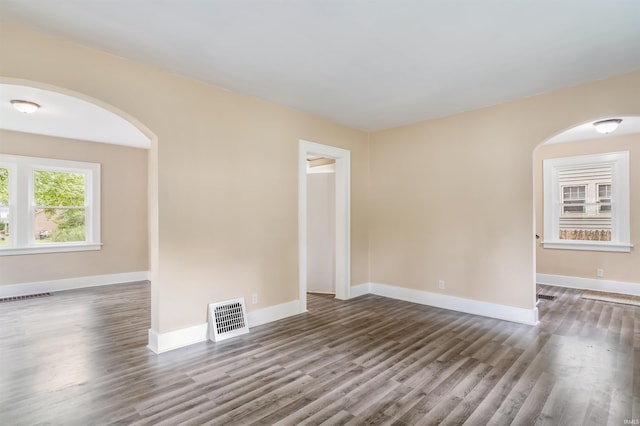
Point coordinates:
pixel 50 248
pixel 587 245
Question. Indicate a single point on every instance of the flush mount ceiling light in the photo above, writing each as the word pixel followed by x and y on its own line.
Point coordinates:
pixel 26 107
pixel 607 126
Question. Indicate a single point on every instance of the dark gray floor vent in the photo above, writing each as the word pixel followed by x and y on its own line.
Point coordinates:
pixel 227 319
pixel 546 297
pixel 25 297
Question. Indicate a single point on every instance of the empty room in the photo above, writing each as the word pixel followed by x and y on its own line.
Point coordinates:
pixel 319 212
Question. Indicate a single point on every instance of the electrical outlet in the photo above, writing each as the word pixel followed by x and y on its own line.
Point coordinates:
pixel 441 284
pixel 600 272
pixel 254 298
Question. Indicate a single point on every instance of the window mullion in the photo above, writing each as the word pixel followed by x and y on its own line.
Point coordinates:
pixel 88 219
pixel 23 226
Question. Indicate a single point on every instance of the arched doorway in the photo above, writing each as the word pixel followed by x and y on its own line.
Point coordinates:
pixel 82 125
pixel 573 246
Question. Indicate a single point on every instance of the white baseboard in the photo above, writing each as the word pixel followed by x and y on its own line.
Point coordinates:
pixel 273 313
pixel 23 289
pixel 359 290
pixel 476 307
pixel 164 342
pixel 590 284
pixel 179 338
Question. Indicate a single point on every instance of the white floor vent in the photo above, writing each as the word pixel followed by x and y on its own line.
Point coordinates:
pixel 227 319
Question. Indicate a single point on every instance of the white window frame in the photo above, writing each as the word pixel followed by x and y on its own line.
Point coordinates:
pixel 583 204
pixel 620 215
pixel 22 208
pixel 599 199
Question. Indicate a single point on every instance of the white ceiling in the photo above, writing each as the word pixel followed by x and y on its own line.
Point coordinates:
pixel 67 117
pixel 370 64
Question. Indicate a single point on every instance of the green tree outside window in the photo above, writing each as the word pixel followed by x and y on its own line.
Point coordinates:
pixel 4 201
pixel 4 186
pixel 61 197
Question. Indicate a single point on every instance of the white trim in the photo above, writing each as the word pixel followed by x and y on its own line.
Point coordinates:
pixel 587 245
pixel 360 290
pixel 590 284
pixel 50 248
pixel 476 307
pixel 326 168
pixel 273 313
pixel 164 342
pixel 13 290
pixel 342 222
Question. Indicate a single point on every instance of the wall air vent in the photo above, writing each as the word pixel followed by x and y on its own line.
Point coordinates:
pixel 546 296
pixel 227 319
pixel 25 297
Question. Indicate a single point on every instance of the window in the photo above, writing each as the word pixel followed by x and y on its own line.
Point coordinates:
pixel 573 199
pixel 4 206
pixel 48 205
pixel 604 197
pixel 586 202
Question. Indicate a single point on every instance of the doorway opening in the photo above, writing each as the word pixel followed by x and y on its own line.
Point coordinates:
pixel 339 160
pixel 321 200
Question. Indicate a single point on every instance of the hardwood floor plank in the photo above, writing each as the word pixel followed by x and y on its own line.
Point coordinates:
pixel 453 398
pixel 79 357
pixel 530 410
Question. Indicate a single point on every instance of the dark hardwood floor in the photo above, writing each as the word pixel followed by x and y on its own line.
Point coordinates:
pixel 79 358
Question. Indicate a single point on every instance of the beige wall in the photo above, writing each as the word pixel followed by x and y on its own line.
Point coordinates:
pixel 441 190
pixel 123 215
pixel 452 198
pixel 223 159
pixel 583 264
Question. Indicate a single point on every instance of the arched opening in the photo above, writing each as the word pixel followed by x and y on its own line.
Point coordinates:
pixel 69 119
pixel 69 114
pixel 579 219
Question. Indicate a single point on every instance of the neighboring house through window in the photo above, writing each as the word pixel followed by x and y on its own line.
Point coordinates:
pixel 48 205
pixel 586 202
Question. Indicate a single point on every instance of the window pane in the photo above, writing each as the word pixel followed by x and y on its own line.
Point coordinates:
pixel 579 220
pixel 579 201
pixel 584 226
pixel 59 225
pixel 4 186
pixel 4 225
pixel 585 234
pixel 573 199
pixel 57 189
pixel 4 208
pixel 573 192
pixel 604 198
pixel 604 191
pixel 578 208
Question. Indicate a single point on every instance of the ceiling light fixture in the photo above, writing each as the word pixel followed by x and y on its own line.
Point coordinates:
pixel 25 107
pixel 607 126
